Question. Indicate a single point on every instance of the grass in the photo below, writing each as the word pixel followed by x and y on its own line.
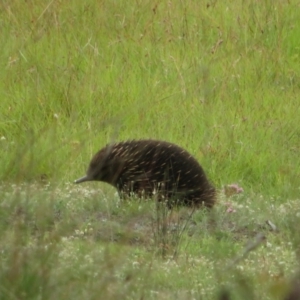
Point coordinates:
pixel 74 243
pixel 219 78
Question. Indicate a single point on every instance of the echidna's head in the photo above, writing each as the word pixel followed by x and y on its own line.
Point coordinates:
pixel 103 167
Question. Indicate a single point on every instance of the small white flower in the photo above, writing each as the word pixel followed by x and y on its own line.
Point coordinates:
pixel 135 264
pixel 269 245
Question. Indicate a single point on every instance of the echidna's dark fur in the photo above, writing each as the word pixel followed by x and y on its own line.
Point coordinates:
pixel 152 168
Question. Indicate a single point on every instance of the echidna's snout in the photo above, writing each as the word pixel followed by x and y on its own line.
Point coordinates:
pixel 83 179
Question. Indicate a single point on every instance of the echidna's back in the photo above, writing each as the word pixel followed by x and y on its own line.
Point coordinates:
pixel 145 167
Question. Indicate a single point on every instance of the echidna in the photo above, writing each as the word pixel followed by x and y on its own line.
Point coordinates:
pixel 152 168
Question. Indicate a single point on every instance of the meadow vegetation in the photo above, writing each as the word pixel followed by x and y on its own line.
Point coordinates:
pixel 219 78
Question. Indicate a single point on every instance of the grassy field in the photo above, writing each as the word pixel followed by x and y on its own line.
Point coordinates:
pixel 219 78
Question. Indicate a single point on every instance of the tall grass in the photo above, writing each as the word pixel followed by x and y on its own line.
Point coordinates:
pixel 219 78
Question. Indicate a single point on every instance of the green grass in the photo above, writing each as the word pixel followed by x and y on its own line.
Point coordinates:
pixel 219 78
